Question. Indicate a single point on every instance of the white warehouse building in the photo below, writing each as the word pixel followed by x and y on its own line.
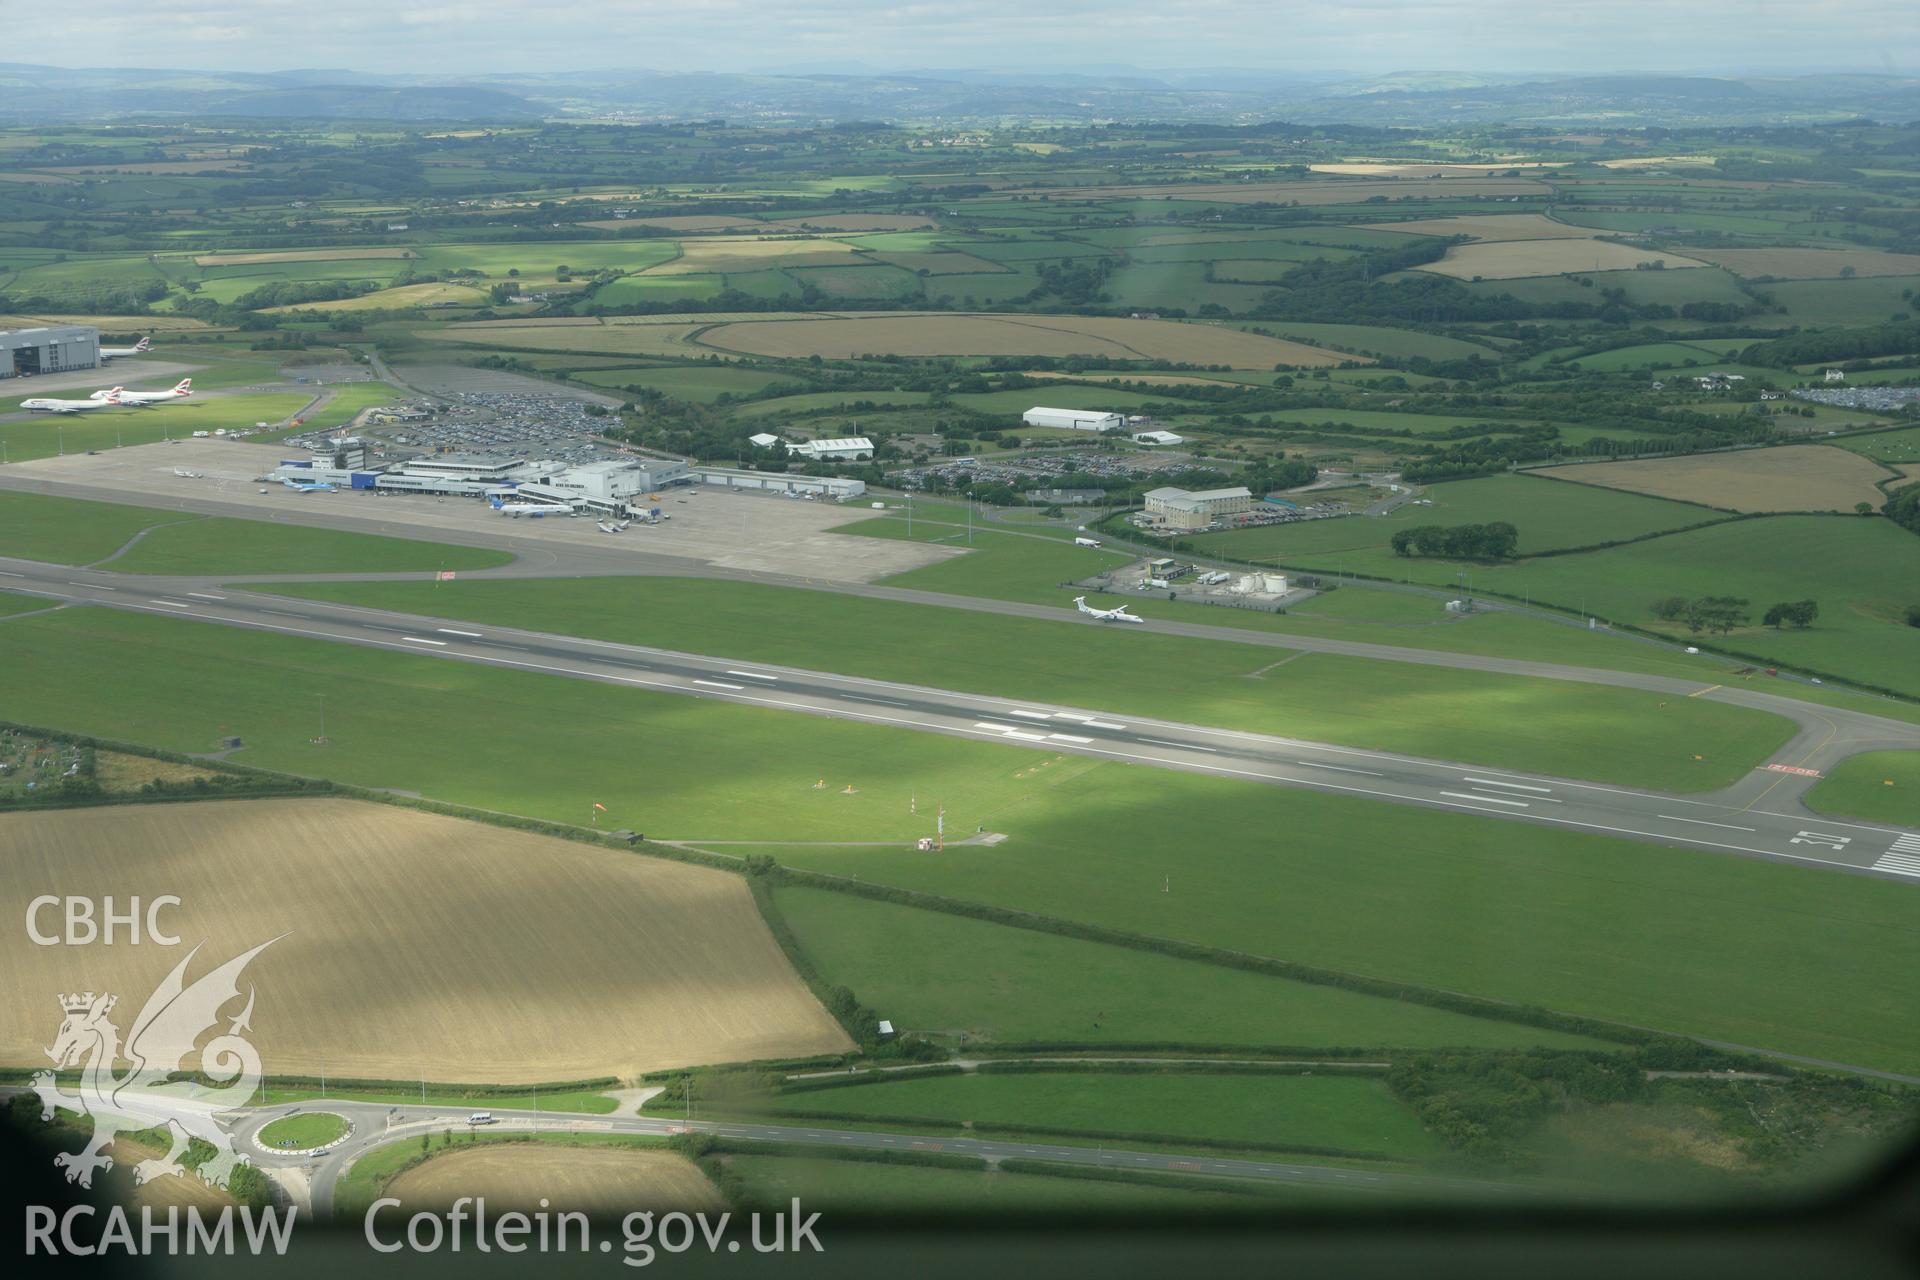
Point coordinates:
pixel 1074 419
pixel 844 449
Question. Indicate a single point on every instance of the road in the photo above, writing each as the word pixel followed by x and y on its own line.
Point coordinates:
pixel 1759 817
pixel 375 1124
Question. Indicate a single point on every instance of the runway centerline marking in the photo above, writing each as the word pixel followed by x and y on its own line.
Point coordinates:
pixel 1541 799
pixel 1340 768
pixel 1702 822
pixel 1479 799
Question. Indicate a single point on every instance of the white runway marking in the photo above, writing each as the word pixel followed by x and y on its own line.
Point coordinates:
pixel 1184 746
pixel 1480 799
pixel 751 675
pixel 1517 786
pixel 1103 724
pixel 1315 764
pixel 719 684
pixel 438 644
pixel 1031 715
pixel 1541 799
pixel 282 613
pixel 885 702
pixel 1067 737
pixel 7 574
pixel 449 631
pixel 89 584
pixel 205 596
pixel 1900 864
pixel 1702 822
pixel 172 604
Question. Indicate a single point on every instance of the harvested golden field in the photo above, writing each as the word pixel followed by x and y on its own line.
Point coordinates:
pixel 752 253
pixel 1653 162
pixel 406 295
pixel 119 772
pixel 1812 264
pixel 595 1180
pixel 1424 169
pixel 1795 477
pixel 1329 192
pixel 161 1192
pixel 1512 259
pixel 918 334
pixel 298 255
pixel 413 944
pixel 1492 226
pixel 626 339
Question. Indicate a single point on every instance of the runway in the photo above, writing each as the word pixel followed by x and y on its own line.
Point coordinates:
pixel 1755 818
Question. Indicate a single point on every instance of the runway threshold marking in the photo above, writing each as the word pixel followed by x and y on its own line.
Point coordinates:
pixel 1702 822
pixel 1900 864
pixel 1485 799
pixel 1068 737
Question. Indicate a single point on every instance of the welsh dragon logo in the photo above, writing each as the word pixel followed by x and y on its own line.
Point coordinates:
pixel 157 1046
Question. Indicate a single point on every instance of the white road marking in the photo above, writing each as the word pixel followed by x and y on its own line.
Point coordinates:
pixel 1024 737
pixel 1900 864
pixel 95 586
pixel 449 631
pixel 438 644
pixel 8 574
pixel 751 675
pixel 1103 724
pixel 205 596
pixel 1461 795
pixel 1517 786
pixel 1184 746
pixel 1315 764
pixel 1031 715
pixel 1541 799
pixel 172 604
pixel 1069 715
pixel 282 613
pixel 1067 737
pixel 1907 844
pixel 719 684
pixel 1702 822
pixel 885 702
pixel 991 720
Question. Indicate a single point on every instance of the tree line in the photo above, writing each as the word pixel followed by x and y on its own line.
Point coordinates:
pixel 1496 540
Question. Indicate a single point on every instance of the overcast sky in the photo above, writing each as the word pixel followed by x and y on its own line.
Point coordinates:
pixel 1364 36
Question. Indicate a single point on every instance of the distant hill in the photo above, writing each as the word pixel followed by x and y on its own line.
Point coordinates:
pixel 1075 95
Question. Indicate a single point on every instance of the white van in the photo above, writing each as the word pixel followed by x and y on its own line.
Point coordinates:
pixel 1086 542
pixel 480 1117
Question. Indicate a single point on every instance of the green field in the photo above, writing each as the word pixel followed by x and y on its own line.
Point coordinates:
pixel 1355 1115
pixel 867 1187
pixel 35 526
pixel 221 545
pixel 1581 730
pixel 1875 786
pixel 12 602
pixel 1745 951
pixel 1861 571
pixel 1023 985
pixel 1550 515
pixel 348 400
pixel 304 1130
pixel 1666 938
pixel 45 435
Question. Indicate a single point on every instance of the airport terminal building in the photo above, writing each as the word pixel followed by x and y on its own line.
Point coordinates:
pixel 52 349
